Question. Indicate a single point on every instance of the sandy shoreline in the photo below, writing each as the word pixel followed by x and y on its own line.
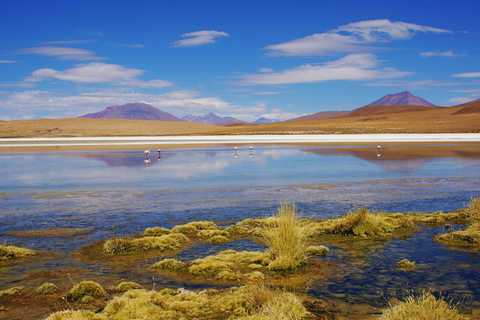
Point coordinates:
pixel 241 139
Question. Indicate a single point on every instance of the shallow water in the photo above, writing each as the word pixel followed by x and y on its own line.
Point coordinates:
pixel 121 193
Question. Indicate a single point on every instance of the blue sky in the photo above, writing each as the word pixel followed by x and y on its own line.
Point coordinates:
pixel 246 59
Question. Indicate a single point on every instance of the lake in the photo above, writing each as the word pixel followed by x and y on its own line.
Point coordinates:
pixel 119 193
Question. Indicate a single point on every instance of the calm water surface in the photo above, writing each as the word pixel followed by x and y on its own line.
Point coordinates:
pixel 118 193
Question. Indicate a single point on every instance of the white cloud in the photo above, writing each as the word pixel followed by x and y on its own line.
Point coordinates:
pixel 55 104
pixel 353 37
pixel 8 61
pixel 266 70
pixel 411 85
pixel 63 53
pixel 461 100
pixel 448 54
pixel 67 41
pixel 198 38
pixel 98 72
pixel 467 75
pixel 351 67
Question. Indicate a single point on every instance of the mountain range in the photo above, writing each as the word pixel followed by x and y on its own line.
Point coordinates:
pixel 391 103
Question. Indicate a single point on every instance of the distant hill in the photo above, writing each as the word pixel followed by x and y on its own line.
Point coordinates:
pixel 376 110
pixel 265 120
pixel 133 111
pixel 230 122
pixel 321 115
pixel 208 118
pixel 404 98
pixel 469 107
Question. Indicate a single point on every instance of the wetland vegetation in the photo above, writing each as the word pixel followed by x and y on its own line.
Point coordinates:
pixel 292 246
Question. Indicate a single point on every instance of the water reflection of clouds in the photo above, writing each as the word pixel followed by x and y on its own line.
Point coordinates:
pixel 270 166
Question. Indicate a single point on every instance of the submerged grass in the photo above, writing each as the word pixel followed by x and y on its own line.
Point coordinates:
pixel 12 252
pixel 470 236
pixel 423 307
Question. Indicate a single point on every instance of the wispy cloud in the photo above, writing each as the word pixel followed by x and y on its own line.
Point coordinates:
pixel 198 38
pixel 68 42
pixel 411 85
pixel 8 61
pixel 351 67
pixel 62 53
pixel 96 73
pixel 353 37
pixel 448 54
pixel 467 75
pixel 127 45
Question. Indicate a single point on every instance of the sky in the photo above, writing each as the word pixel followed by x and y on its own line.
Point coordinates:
pixel 240 58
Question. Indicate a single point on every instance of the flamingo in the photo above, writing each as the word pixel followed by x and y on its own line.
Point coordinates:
pixel 251 148
pixel 235 148
pixel 146 152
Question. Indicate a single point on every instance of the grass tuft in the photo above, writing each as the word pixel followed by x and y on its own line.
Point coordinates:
pixel 155 232
pixel 364 223
pixel 423 307
pixel 11 252
pixel 166 242
pixel 406 265
pixel 170 264
pixel 87 288
pixel 469 236
pixel 287 238
pixel 10 292
pixel 316 251
pixel 218 240
pixel 125 286
pixel 47 288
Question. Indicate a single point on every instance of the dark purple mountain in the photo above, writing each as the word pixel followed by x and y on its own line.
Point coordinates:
pixel 404 98
pixel 133 111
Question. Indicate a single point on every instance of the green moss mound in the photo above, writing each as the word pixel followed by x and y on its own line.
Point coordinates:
pixel 87 288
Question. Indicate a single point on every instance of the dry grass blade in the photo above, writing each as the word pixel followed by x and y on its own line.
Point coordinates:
pixel 287 238
pixel 423 307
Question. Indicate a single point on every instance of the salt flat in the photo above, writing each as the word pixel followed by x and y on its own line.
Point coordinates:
pixel 243 139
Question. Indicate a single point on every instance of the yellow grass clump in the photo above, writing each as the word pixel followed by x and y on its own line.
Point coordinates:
pixel 86 288
pixel 470 236
pixel 11 292
pixel 364 223
pixel 166 242
pixel 125 286
pixel 12 252
pixel 155 232
pixel 169 264
pixel 423 307
pixel 316 251
pixel 76 315
pixel 47 288
pixel 218 240
pixel 226 265
pixel 287 238
pixel 406 265
pixel 253 302
pixel 194 227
